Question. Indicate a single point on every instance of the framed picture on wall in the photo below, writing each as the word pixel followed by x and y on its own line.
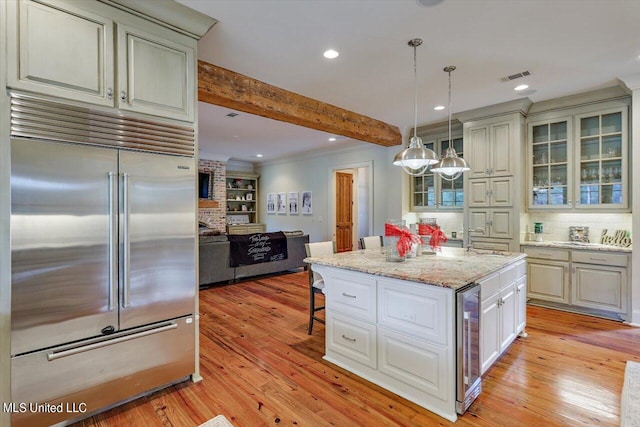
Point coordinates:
pixel 271 203
pixel 293 203
pixel 282 203
pixel 307 203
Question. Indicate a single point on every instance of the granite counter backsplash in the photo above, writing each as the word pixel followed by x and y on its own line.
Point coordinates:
pixel 579 246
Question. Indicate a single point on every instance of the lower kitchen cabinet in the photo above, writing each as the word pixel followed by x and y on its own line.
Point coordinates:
pixel 502 312
pixel 586 281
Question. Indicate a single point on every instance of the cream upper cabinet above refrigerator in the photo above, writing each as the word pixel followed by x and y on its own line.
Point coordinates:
pixel 68 50
pixel 61 50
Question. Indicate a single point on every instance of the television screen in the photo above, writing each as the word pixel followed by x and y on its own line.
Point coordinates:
pixel 204 179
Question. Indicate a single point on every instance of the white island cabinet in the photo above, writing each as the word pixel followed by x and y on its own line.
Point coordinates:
pixel 394 324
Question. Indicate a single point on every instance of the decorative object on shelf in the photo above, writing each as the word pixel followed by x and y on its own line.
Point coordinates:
pixel 579 234
pixel 249 196
pixel 415 159
pixel 293 203
pixel 450 167
pixel 271 203
pixel 537 230
pixel 249 187
pixel 307 206
pixel 621 238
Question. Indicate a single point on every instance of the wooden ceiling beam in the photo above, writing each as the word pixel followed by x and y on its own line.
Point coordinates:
pixel 219 86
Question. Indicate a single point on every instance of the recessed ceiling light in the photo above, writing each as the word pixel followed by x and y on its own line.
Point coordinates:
pixel 331 54
pixel 332 139
pixel 258 155
pixel 521 87
pixel 439 107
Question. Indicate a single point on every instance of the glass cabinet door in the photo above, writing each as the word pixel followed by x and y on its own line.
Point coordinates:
pixel 423 187
pixel 451 192
pixel 602 167
pixel 550 170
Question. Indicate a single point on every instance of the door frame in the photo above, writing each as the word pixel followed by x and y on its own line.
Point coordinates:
pixel 331 223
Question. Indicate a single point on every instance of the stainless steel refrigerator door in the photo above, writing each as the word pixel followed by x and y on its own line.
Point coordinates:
pixel 157 237
pixel 63 243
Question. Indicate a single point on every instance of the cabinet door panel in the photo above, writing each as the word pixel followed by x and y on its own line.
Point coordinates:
pixel 501 153
pixel 352 338
pixel 478 219
pixel 501 223
pixel 66 53
pixel 508 315
pixel 489 332
pixel 548 280
pixel 156 75
pixel 478 189
pixel 600 287
pixel 501 192
pixel 521 291
pixel 478 150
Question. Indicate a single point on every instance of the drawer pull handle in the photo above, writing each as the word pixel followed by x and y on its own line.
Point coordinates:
pixel 73 351
pixel 348 296
pixel 348 339
pixel 597 259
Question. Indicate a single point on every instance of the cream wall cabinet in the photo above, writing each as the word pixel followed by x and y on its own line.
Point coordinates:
pixel 490 147
pixel 502 311
pixel 577 158
pixel 68 50
pixel 493 143
pixel 579 279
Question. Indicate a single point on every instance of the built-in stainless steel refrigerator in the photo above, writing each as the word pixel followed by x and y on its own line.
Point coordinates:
pixel 103 275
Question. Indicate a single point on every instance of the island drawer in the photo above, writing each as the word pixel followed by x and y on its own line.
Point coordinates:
pixel 547 253
pixel 603 258
pixel 353 294
pixel 418 310
pixel 352 338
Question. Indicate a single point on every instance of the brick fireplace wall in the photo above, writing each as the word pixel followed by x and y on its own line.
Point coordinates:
pixel 214 214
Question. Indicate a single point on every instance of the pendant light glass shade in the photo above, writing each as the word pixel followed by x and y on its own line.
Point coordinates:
pixel 450 167
pixel 415 159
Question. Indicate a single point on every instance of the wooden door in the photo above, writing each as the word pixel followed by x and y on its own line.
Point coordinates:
pixel 344 211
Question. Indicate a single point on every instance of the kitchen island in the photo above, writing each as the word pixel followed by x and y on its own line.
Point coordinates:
pixel 398 325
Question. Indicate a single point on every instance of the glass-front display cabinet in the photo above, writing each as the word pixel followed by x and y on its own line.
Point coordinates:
pixel 550 168
pixel 602 160
pixel 429 191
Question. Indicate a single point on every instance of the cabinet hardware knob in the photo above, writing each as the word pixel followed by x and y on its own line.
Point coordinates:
pixel 123 96
pixel 109 93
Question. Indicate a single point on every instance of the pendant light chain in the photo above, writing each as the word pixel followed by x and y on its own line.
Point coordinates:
pixel 449 106
pixel 415 87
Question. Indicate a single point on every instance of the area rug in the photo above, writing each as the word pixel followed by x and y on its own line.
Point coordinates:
pixel 219 421
pixel 630 404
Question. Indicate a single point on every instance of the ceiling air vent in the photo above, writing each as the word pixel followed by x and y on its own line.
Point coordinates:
pixel 232 114
pixel 516 76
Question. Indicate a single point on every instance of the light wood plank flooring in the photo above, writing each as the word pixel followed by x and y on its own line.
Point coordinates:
pixel 260 368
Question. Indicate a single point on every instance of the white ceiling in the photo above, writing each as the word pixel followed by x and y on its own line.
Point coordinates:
pixel 569 46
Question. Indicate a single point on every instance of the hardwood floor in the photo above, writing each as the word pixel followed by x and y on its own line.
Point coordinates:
pixel 260 368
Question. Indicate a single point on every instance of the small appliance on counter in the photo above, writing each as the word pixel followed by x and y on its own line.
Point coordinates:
pixel 537 230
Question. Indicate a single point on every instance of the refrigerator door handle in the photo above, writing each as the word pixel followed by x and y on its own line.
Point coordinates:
pixel 73 351
pixel 113 242
pixel 125 241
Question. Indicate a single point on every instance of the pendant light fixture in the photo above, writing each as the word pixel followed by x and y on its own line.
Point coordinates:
pixel 450 167
pixel 415 159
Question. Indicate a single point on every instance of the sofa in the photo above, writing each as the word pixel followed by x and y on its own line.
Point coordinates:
pixel 214 252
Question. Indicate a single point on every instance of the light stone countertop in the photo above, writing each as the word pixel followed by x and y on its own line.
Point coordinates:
pixel 451 268
pixel 579 246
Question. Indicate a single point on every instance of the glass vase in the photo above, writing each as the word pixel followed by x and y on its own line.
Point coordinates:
pixel 391 241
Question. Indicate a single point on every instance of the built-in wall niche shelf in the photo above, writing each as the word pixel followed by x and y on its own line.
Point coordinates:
pixel 241 197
